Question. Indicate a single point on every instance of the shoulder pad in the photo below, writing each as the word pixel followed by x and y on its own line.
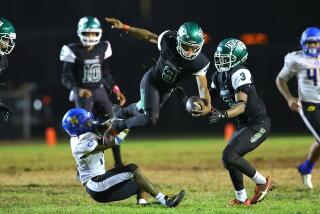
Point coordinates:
pixel 67 54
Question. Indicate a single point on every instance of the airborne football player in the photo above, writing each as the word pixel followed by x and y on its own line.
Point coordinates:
pixel 180 58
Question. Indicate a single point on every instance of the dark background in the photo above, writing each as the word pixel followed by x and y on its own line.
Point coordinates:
pixel 43 27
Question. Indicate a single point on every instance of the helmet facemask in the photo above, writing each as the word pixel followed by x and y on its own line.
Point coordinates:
pixel 188 50
pixel 223 62
pixel 314 50
pixel 90 40
pixel 7 42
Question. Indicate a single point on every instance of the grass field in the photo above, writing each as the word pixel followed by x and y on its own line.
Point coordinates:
pixel 37 179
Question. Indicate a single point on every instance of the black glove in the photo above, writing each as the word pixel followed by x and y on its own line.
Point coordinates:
pixel 217 115
pixel 5 112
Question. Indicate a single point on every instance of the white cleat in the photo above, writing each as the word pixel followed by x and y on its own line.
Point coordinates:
pixel 307 181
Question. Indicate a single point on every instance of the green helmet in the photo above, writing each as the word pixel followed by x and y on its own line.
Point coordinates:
pixel 7 36
pixel 230 52
pixel 190 40
pixel 89 24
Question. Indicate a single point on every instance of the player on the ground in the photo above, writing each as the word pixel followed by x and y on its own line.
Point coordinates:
pixel 86 73
pixel 88 142
pixel 305 65
pixel 7 37
pixel 180 57
pixel 234 84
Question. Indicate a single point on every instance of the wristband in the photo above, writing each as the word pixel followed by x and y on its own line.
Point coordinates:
pixel 116 89
pixel 126 27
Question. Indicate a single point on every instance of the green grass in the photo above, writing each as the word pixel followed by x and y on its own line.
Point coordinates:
pixel 35 178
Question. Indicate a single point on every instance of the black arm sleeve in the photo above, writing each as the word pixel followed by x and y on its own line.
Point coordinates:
pixel 67 78
pixel 108 79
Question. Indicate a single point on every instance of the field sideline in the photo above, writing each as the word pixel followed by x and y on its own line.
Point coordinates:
pixel 38 179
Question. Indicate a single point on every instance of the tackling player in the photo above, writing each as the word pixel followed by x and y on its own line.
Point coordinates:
pixel 305 65
pixel 7 37
pixel 88 142
pixel 234 84
pixel 180 57
pixel 86 74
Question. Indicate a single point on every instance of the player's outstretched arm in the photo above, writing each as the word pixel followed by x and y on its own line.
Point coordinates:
pixel 138 33
pixel 293 102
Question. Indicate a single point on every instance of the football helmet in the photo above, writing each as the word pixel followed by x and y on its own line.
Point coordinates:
pixel 311 34
pixel 7 36
pixel 190 40
pixel 78 121
pixel 230 52
pixel 89 24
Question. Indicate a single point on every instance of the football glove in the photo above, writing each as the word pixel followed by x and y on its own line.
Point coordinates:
pixel 5 112
pixel 217 115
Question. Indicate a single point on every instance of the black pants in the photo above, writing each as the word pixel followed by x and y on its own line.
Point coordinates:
pixel 244 140
pixel 310 115
pixel 116 184
pixel 99 98
pixel 152 98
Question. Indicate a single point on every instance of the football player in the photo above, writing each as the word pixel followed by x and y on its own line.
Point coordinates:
pixel 85 71
pixel 234 84
pixel 88 142
pixel 180 57
pixel 7 37
pixel 305 65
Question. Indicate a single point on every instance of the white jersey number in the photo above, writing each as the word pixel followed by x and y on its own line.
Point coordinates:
pixel 92 73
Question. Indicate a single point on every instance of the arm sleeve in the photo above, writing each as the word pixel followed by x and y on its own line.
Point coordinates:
pixel 67 78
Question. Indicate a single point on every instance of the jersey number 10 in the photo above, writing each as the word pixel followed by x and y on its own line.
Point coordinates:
pixel 312 74
pixel 91 73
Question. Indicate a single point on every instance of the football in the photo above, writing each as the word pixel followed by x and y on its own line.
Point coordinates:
pixel 194 103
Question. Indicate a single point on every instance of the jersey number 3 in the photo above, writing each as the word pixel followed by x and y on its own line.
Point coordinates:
pixel 312 74
pixel 91 73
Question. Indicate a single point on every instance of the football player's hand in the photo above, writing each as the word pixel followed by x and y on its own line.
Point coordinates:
pixel 84 93
pixel 294 104
pixel 115 23
pixel 121 98
pixel 204 111
pixel 5 112
pixel 217 115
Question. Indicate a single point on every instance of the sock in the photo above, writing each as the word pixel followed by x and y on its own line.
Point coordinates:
pixel 258 178
pixel 142 201
pixel 306 167
pixel 160 198
pixel 241 195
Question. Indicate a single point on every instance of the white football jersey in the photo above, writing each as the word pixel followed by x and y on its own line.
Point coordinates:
pixel 307 71
pixel 90 163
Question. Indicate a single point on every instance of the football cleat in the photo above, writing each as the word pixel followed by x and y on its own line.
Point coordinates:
pixel 261 190
pixel 173 201
pixel 306 179
pixel 236 202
